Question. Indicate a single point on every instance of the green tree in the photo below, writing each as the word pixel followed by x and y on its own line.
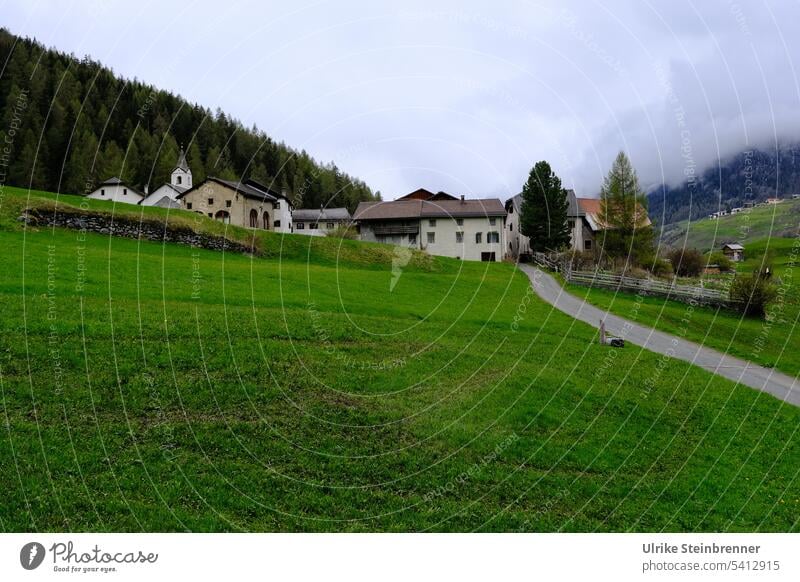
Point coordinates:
pixel 627 232
pixel 543 216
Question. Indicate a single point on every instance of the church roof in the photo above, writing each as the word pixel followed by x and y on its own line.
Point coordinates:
pixel 182 164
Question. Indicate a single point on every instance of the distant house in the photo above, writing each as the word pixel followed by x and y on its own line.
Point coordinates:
pixel 116 190
pixel 472 230
pixel 423 194
pixel 246 203
pixel 180 181
pixel 749 204
pixel 583 218
pixel 733 251
pixel 795 196
pixel 774 200
pixel 319 221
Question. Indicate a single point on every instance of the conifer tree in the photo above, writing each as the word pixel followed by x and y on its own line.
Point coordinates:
pixel 543 216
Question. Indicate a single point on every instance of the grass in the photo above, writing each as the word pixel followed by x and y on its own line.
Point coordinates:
pixel 162 388
pixel 771 343
pixel 772 221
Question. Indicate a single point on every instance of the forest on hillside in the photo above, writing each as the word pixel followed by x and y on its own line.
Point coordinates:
pixel 750 176
pixel 69 123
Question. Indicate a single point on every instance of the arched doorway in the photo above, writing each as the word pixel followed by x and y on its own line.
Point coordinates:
pixel 223 216
pixel 254 218
pixel 266 220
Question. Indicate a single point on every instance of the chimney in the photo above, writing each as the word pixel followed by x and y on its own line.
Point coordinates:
pixel 462 199
pixel 147 188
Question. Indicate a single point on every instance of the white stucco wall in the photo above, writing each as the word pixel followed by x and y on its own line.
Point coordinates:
pixel 116 193
pixel 446 244
pixel 158 194
pixel 282 213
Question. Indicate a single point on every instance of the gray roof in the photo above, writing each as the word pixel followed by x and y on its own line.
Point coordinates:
pixel 733 246
pixel 178 189
pixel 320 214
pixel 182 161
pixel 409 209
pixel 167 202
pixel 114 181
pixel 248 189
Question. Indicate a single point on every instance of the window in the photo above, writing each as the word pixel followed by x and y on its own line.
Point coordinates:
pixel 459 237
pixel 124 191
pixel 478 238
pixel 211 215
pixel 102 192
pixel 460 221
pixel 587 245
pixel 300 225
pixel 277 205
pixel 313 225
pixel 329 225
pixel 179 179
pixel 276 224
pixel 492 237
pixel 211 202
pixel 492 221
pixel 265 219
pixel 189 205
pixel 511 226
pixel 223 216
pixel 227 203
pixel 253 218
pixel 431 238
pixel 432 223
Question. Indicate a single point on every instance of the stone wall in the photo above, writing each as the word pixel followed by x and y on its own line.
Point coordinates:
pixel 145 228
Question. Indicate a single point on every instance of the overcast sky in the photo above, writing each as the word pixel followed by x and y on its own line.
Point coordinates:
pixel 462 96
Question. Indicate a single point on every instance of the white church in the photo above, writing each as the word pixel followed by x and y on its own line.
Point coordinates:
pixel 165 196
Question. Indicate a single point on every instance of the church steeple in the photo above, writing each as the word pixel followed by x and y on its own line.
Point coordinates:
pixel 182 175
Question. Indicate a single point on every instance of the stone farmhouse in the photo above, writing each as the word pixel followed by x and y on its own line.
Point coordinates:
pixel 247 204
pixel 583 218
pixel 441 224
pixel 319 222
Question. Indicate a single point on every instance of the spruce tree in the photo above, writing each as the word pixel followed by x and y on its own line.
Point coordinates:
pixel 543 216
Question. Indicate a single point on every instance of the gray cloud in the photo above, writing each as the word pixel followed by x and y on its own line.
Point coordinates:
pixel 464 96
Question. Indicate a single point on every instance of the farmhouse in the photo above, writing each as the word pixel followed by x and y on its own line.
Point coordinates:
pixel 774 200
pixel 180 181
pixel 247 204
pixel 583 218
pixel 473 230
pixel 733 251
pixel 116 190
pixel 318 222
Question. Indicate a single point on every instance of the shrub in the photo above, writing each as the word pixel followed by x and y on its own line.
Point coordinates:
pixel 687 262
pixel 343 231
pixel 752 294
pixel 720 260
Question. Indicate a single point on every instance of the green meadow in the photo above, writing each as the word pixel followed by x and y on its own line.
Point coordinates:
pixel 158 387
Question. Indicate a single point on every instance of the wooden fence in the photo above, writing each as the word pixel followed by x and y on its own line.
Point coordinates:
pixel 684 293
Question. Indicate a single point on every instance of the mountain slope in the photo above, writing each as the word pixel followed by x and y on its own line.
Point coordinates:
pixel 750 176
pixel 70 122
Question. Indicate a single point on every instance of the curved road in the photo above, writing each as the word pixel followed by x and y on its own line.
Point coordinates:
pixel 780 385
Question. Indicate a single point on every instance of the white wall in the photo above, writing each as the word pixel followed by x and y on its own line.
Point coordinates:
pixel 445 244
pixel 116 193
pixel 284 214
pixel 158 194
pixel 185 178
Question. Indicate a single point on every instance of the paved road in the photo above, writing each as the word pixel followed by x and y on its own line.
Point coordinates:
pixel 780 385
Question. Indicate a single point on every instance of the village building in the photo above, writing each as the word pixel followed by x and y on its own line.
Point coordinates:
pixel 774 200
pixel 166 195
pixel 247 204
pixel 115 190
pixel 583 219
pixel 319 221
pixel 472 230
pixel 733 251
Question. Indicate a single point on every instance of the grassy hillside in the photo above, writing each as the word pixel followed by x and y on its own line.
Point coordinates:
pixel 157 387
pixel 778 221
pixel 771 343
